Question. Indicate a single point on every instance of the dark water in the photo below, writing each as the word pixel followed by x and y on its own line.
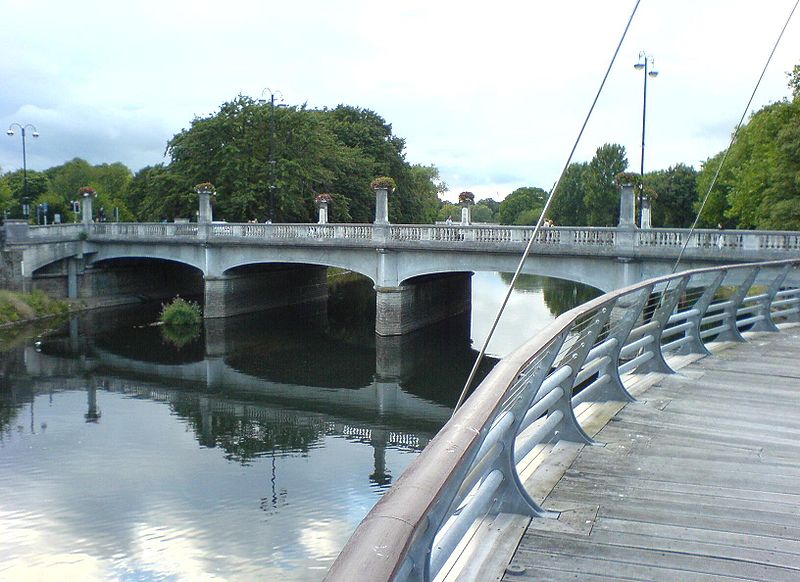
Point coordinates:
pixel 248 452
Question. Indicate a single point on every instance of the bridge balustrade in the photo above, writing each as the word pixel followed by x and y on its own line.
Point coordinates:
pixel 602 239
pixel 532 399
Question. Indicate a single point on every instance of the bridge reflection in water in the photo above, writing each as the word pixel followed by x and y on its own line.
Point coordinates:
pixel 266 437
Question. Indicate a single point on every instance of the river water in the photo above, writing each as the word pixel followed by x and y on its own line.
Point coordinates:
pixel 248 452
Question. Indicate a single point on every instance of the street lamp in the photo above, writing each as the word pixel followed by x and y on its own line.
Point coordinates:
pixel 272 186
pixel 35 134
pixel 642 65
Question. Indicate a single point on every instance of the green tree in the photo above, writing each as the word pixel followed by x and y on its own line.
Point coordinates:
pixel 157 194
pixel 65 180
pixel 7 202
pixel 425 185
pixel 794 82
pixel 449 210
pixel 759 185
pixel 602 196
pixel 568 208
pixel 492 205
pixel 717 204
pixel 259 156
pixel 676 188
pixel 522 206
pixel 482 213
pixel 37 186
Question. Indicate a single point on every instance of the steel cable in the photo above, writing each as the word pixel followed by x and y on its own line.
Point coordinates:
pixel 539 222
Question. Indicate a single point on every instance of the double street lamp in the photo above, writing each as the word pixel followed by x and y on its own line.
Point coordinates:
pixel 35 134
pixel 645 64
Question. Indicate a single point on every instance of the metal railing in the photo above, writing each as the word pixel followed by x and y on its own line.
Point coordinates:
pixel 471 468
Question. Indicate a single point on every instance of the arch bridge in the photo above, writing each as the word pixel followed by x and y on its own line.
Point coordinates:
pixel 421 273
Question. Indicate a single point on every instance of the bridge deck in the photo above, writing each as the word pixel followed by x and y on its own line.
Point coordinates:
pixel 699 480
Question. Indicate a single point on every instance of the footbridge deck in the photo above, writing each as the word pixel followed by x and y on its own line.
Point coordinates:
pixel 699 479
pixel 650 434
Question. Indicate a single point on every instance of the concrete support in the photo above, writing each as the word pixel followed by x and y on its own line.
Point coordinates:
pixel 72 278
pixel 466 219
pixel 421 301
pixel 258 289
pixel 86 209
pixel 381 206
pixel 323 212
pixel 16 230
pixel 627 207
pixel 646 222
pixel 204 215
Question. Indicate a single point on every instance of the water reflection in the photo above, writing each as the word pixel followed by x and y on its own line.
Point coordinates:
pixel 251 451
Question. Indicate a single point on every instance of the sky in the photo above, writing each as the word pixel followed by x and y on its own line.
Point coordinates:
pixel 492 94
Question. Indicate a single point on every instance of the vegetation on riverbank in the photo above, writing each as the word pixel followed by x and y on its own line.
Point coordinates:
pixel 17 307
pixel 180 312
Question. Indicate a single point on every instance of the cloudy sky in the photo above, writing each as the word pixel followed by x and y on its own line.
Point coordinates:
pixel 493 94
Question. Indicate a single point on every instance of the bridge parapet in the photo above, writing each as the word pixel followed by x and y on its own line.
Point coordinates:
pixel 729 244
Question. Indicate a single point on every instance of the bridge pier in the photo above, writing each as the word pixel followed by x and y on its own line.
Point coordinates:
pixel 421 301
pixel 261 287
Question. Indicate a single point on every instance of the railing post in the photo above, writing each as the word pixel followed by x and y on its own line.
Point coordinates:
pixel 514 497
pixel 569 428
pixel 615 389
pixel 696 345
pixel 733 334
pixel 764 304
pixel 668 302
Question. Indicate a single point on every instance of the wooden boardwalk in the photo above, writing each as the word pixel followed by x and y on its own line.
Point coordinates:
pixel 699 480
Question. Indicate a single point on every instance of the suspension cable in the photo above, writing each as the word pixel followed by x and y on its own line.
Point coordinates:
pixel 732 140
pixel 539 222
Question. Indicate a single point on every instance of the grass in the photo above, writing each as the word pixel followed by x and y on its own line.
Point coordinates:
pixel 15 307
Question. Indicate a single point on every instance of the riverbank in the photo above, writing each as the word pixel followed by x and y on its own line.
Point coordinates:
pixel 17 308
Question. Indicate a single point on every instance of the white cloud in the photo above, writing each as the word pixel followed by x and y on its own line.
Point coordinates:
pixel 492 94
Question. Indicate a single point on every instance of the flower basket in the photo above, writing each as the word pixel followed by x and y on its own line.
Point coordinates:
pixel 324 197
pixel 466 198
pixel 628 179
pixel 383 183
pixel 87 191
pixel 205 188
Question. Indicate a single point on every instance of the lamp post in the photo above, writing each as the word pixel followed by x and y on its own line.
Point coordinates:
pixel 642 65
pixel 271 161
pixel 35 134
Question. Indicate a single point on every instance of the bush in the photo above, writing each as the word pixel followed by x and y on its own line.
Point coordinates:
pixel 180 312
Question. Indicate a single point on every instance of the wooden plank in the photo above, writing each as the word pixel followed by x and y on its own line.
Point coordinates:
pixel 600 558
pixel 699 481
pixel 786 550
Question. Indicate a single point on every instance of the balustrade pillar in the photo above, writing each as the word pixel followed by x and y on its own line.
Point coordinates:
pixel 381 206
pixel 86 209
pixel 627 207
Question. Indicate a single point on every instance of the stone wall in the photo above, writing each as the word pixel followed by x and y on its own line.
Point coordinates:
pixel 262 287
pixel 120 280
pixel 421 301
pixel 10 270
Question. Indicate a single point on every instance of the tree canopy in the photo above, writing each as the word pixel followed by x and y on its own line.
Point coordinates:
pixel 759 185
pixel 270 162
pixel 522 206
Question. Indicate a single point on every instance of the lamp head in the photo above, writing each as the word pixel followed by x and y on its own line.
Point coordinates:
pixel 652 73
pixel 638 66
pixel 10 132
pixel 35 134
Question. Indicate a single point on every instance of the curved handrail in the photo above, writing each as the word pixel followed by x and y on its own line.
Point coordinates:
pixel 470 468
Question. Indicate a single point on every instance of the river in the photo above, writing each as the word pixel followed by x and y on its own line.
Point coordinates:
pixel 250 451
